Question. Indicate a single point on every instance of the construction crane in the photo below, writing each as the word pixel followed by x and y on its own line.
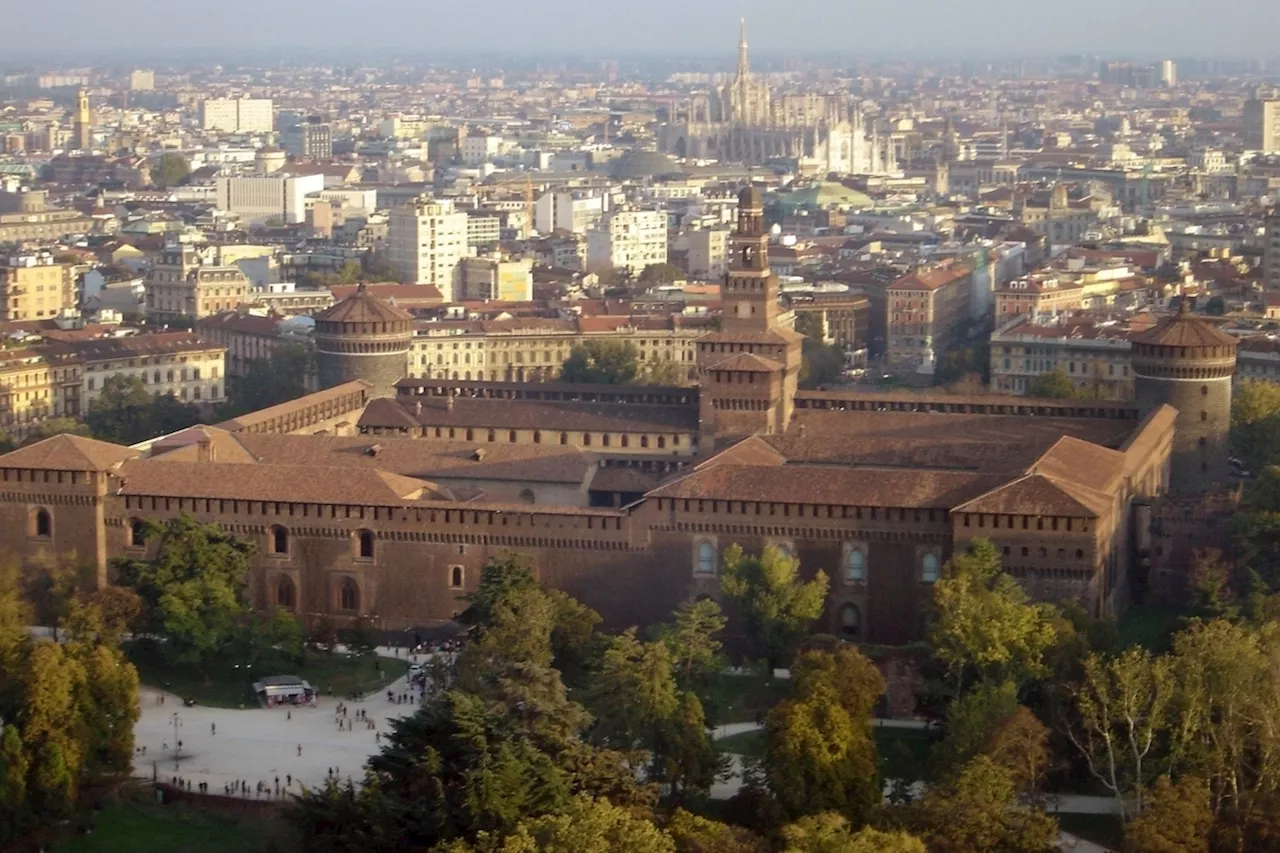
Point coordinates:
pixel 528 207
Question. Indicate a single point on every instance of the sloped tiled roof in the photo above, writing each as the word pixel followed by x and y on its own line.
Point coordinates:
pixel 363 307
pixel 283 483
pixel 746 362
pixel 1184 330
pixel 68 453
pixel 1035 494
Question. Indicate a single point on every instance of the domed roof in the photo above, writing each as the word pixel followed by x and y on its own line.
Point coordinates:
pixel 1184 330
pixel 363 307
pixel 639 164
pixel 826 194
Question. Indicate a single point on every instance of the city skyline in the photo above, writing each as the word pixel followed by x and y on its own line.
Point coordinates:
pixel 987 29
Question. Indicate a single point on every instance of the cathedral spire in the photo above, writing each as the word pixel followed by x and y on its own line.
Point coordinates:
pixel 742 48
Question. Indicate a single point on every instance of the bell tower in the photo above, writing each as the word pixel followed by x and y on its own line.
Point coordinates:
pixel 750 369
pixel 750 291
pixel 82 127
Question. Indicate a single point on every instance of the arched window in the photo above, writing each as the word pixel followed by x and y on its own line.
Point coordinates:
pixel 364 544
pixel 42 524
pixel 929 568
pixel 279 540
pixel 137 533
pixel 537 436
pixel 511 436
pixel 527 495
pixel 586 439
pixel 706 558
pixel 626 440
pixel 644 441
pixel 564 438
pixel 855 566
pixel 286 594
pixel 850 620
pixel 785 550
pixel 348 595
pixel 456 577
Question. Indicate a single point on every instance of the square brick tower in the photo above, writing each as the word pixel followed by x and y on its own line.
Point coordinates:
pixel 749 369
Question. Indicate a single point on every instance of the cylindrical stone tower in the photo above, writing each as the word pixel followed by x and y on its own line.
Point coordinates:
pixel 363 337
pixel 1189 364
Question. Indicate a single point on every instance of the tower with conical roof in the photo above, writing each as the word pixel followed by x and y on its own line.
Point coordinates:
pixel 750 369
pixel 1187 363
pixel 363 337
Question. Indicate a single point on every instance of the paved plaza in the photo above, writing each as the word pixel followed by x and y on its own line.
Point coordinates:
pixel 260 744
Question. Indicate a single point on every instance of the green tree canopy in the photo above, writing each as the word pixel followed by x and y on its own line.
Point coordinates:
pixel 602 363
pixel 1054 385
pixel 777 604
pixel 1255 424
pixel 126 413
pixel 661 274
pixel 1177 819
pixel 984 625
pixel 977 811
pixel 829 832
pixel 171 171
pixel 821 364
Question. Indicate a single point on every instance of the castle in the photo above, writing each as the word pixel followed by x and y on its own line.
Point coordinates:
pixel 746 121
pixel 387 507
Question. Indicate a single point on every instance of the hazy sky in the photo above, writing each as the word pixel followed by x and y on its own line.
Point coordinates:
pixel 915 28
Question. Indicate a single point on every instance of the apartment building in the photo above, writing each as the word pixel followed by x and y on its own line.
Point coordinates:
pixel 574 211
pixel 33 287
pixel 491 279
pixel 183 287
pixel 484 228
pixel 258 199
pixel 1262 125
pixel 708 252
pixel 1094 354
pixel 534 349
pixel 245 337
pixel 629 240
pixel 178 363
pixel 1271 252
pixel 26 391
pixel 928 312
pixel 426 241
pixel 237 115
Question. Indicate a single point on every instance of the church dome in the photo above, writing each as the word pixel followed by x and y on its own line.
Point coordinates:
pixel 642 164
pixel 827 194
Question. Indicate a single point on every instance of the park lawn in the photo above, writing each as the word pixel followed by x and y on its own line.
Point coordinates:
pixel 1104 829
pixel 743 698
pixel 750 744
pixel 904 753
pixel 1150 626
pixel 145 827
pixel 228 687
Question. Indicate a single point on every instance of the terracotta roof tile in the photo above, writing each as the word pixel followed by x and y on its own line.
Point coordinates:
pixel 546 415
pixel 282 483
pixel 746 362
pixel 68 453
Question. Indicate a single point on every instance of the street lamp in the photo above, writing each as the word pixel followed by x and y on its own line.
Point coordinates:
pixel 177 721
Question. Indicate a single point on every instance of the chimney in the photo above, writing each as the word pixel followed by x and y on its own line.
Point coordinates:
pixel 417 407
pixel 204 449
pixel 448 403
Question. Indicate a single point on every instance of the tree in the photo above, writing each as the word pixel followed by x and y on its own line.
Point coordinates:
pixel 1255 424
pixel 984 625
pixel 56 426
pixel 692 639
pixel 14 767
pixel 171 171
pixel 601 363
pixel 661 274
pixel 955 364
pixel 694 834
pixel 829 832
pixel 193 589
pixel 819 758
pixel 378 267
pixel 1055 385
pixel 268 382
pixel 587 826
pixel 1177 819
pixel 778 606
pixel 126 413
pixel 854 680
pixel 972 720
pixel 1121 713
pixel 821 364
pixel 977 811
pixel 662 371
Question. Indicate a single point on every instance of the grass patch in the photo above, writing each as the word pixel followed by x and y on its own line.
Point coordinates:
pixel 143 827
pixel 229 687
pixel 1149 625
pixel 904 753
pixel 1104 829
pixel 744 698
pixel 745 743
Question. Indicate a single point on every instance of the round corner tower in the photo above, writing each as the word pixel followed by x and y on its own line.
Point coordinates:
pixel 1188 364
pixel 363 337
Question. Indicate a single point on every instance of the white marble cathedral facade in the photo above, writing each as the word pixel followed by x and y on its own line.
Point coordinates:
pixel 744 121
